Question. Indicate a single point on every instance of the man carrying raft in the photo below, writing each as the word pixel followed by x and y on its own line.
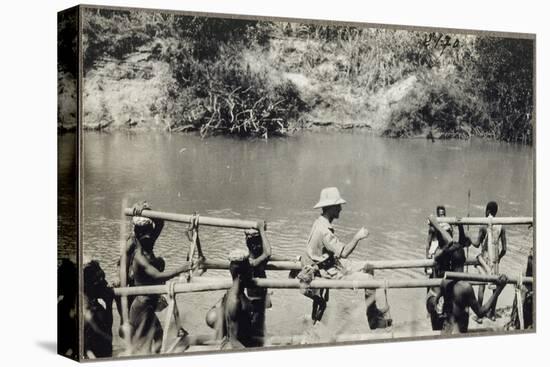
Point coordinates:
pixel 458 296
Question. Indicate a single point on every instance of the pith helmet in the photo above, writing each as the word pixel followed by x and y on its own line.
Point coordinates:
pixel 329 196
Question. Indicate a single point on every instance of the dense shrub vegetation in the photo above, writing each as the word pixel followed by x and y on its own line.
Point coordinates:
pixel 67 56
pixel 252 78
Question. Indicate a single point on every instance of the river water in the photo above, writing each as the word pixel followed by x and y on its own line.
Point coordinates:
pixel 391 186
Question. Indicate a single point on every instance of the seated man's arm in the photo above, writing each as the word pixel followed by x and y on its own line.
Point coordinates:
pixel 347 249
pixel 333 245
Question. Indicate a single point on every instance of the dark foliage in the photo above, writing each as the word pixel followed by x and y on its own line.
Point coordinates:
pixel 506 68
pixel 67 39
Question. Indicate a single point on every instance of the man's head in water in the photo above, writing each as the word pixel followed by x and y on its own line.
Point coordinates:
pixel 239 265
pixel 491 209
pixel 94 280
pixel 440 211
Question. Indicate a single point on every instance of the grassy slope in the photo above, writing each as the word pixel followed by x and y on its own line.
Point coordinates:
pixel 372 80
pixel 133 92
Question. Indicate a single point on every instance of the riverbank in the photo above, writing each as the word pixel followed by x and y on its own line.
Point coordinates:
pixel 178 73
pixel 135 95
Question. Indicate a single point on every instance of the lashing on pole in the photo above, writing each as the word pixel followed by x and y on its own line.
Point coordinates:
pixel 193 236
pixel 172 311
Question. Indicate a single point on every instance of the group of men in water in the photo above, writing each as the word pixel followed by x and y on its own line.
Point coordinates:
pixel 239 317
pixel 458 297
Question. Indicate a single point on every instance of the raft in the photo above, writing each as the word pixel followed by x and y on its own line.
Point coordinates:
pixel 196 283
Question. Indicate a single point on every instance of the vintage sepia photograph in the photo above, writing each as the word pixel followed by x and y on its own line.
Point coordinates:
pixel 245 183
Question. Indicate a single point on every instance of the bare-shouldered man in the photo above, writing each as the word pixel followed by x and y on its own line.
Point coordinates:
pixel 448 256
pixel 459 296
pixel 255 300
pixel 499 237
pixel 433 242
pixel 236 307
pixel 98 312
pixel 260 251
pixel 147 269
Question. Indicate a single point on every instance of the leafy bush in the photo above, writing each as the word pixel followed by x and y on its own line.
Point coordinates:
pixel 436 109
pixel 231 98
pixel 506 71
pixel 67 39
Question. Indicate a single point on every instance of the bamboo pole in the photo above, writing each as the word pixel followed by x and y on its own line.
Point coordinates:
pixel 276 257
pixel 468 216
pixel 210 280
pixel 486 278
pixel 404 264
pixel 224 284
pixel 347 284
pixel 378 264
pixel 484 264
pixel 124 279
pixel 204 221
pixel 182 287
pixel 279 284
pixel 486 220
pixel 519 305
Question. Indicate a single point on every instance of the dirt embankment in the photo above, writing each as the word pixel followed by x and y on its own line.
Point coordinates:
pixel 134 93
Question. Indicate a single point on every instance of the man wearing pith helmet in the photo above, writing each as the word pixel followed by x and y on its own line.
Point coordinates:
pixel 326 257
